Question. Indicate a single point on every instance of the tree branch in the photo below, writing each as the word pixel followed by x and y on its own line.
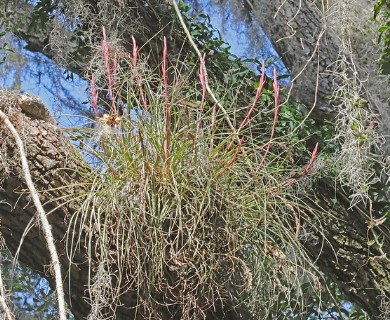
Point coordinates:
pixel 41 216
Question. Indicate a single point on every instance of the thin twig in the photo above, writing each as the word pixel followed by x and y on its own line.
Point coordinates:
pixel 202 63
pixel 41 216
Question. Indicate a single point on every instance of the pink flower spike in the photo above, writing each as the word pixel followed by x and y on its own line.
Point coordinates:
pixel 213 116
pixel 106 53
pixel 230 163
pixel 135 51
pixel 164 62
pixel 304 171
pixel 134 60
pixel 202 77
pixel 114 64
pixel 94 96
pixel 257 96
pixel 313 157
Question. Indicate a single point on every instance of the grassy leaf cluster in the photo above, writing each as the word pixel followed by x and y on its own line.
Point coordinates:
pixel 197 220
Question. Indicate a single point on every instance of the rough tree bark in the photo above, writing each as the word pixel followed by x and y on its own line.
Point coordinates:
pixel 48 154
pixel 298 32
pixel 312 37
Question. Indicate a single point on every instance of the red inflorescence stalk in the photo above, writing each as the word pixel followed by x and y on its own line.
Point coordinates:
pixel 269 144
pixel 304 171
pixel 135 52
pixel 138 79
pixel 94 96
pixel 106 53
pixel 257 97
pixel 213 116
pixel 167 123
pixel 258 94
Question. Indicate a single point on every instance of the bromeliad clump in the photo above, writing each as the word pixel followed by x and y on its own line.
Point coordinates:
pixel 185 212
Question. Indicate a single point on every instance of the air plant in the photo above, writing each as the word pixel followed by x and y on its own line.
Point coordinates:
pixel 187 199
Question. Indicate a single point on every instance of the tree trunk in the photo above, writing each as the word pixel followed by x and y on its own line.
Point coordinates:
pixel 312 37
pixel 299 34
pixel 49 153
